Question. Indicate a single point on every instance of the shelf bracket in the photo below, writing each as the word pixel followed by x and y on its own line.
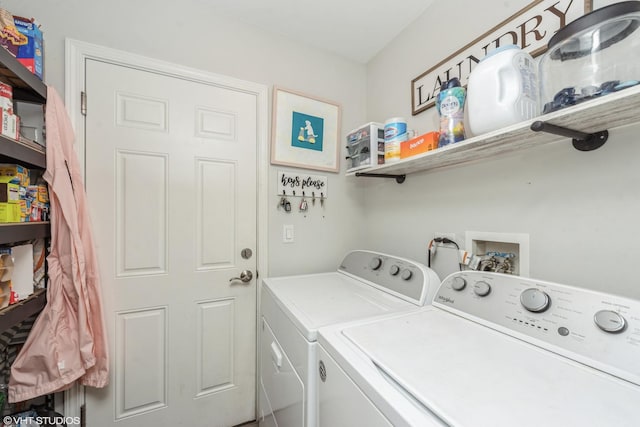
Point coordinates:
pixel 399 178
pixel 581 140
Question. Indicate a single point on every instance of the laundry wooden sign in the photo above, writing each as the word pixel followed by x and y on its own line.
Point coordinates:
pixel 301 185
pixel 530 29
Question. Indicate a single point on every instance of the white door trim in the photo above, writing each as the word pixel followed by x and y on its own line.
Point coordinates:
pixel 76 54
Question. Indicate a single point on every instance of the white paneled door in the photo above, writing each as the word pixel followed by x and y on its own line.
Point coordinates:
pixel 171 180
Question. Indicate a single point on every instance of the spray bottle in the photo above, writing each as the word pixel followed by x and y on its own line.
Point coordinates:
pixel 450 105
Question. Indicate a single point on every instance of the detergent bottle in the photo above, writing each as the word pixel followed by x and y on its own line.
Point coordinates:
pixel 502 90
pixel 450 105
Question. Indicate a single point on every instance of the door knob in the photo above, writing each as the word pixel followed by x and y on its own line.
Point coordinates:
pixel 245 276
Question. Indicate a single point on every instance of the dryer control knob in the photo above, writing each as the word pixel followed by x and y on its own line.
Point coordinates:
pixel 458 283
pixel 482 289
pixel 375 263
pixel 609 321
pixel 535 300
pixel 406 274
pixel 394 270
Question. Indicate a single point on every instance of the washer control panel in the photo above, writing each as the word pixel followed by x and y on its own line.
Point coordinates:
pixel 402 277
pixel 595 328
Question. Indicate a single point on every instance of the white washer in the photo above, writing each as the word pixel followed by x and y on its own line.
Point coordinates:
pixel 492 350
pixel 366 284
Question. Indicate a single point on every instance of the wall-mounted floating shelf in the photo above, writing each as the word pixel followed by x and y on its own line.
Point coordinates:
pixel 587 120
pixel 581 140
pixel 399 178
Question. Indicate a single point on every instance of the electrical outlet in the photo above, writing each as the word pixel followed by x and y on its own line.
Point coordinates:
pixel 450 236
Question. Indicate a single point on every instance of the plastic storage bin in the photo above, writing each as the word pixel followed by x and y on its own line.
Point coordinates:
pixel 365 147
pixel 597 54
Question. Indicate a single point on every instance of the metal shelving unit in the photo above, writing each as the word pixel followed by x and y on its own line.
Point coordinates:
pixel 23 231
pixel 12 150
pixel 590 118
pixel 28 88
pixel 22 310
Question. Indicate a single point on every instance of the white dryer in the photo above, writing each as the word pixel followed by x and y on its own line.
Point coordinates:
pixel 293 308
pixel 491 351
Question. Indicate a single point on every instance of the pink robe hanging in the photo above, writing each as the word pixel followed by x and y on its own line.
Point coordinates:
pixel 68 340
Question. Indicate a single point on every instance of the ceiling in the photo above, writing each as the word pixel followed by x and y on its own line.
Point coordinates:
pixel 355 29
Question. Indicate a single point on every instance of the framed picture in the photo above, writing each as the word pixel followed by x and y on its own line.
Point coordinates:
pixel 305 131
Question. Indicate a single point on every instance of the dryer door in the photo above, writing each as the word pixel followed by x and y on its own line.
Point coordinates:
pixel 283 389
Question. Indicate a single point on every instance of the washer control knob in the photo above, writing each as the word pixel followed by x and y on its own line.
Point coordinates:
pixel 482 289
pixel 406 274
pixel 535 300
pixel 609 321
pixel 394 270
pixel 458 283
pixel 375 263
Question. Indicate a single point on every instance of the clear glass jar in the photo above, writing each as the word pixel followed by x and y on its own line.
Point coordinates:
pixel 597 54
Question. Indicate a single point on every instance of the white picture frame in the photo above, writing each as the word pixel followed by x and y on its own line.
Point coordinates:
pixel 305 131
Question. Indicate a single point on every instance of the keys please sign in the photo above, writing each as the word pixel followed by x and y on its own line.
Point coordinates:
pixel 302 185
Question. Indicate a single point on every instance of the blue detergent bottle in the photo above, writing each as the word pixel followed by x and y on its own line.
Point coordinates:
pixel 450 105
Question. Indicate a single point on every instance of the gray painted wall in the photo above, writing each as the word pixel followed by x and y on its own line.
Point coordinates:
pixel 192 34
pixel 579 209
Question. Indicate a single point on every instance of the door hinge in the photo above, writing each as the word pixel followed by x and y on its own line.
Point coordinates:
pixel 83 103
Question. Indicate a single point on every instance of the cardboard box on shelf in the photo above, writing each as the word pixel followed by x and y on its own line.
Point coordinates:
pixel 25 210
pixel 10 124
pixel 9 212
pixel 30 54
pixel 39 212
pixel 22 276
pixel 36 212
pixel 36 203
pixel 19 174
pixel 43 193
pixel 6 97
pixel 10 37
pixel 418 145
pixel 31 191
pixel 9 192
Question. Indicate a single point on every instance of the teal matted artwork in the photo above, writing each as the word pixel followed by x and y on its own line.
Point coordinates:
pixel 307 131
